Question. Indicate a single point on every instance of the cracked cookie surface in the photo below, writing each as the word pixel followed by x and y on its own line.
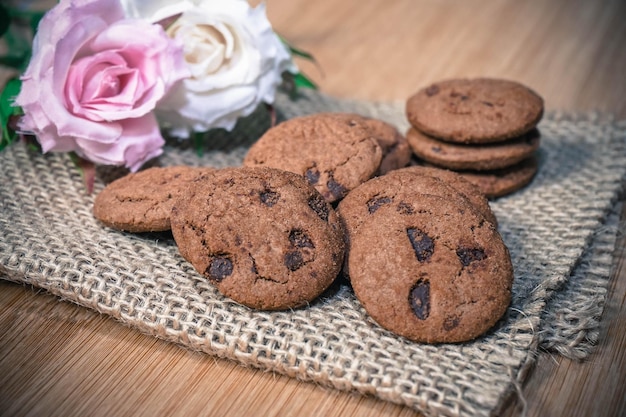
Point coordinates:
pixel 142 201
pixel 442 275
pixel 264 237
pixel 334 152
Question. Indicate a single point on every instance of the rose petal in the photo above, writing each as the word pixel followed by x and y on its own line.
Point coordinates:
pixel 139 142
pixel 154 10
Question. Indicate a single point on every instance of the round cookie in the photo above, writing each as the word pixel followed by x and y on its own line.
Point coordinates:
pixel 264 237
pixel 142 201
pixel 362 203
pixel 443 274
pixel 335 154
pixel 475 157
pixel 501 182
pixel 464 187
pixel 395 147
pixel 479 110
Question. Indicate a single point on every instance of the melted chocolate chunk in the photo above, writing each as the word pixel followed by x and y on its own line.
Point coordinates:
pixel 269 197
pixel 376 202
pixel 404 208
pixel 432 90
pixel 419 299
pixel 336 189
pixel 423 245
pixel 219 268
pixel 319 206
pixel 312 176
pixel 299 239
pixel 469 255
pixel 293 260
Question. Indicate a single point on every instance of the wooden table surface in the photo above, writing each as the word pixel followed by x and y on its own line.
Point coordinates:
pixel 60 359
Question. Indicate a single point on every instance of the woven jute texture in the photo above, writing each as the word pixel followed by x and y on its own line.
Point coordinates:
pixel 560 231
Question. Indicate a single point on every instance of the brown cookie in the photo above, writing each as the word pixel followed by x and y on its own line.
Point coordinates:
pixel 464 187
pixel 504 181
pixel 264 237
pixel 396 150
pixel 475 157
pixel 142 201
pixel 335 154
pixel 480 110
pixel 431 270
pixel 362 203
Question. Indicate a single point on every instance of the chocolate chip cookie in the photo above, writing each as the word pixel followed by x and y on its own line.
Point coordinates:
pixel 142 201
pixel 479 110
pixel 477 157
pixel 431 270
pixel 264 237
pixel 394 145
pixel 461 185
pixel 504 181
pixel 334 154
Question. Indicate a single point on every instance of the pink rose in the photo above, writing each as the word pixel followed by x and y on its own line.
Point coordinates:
pixel 93 81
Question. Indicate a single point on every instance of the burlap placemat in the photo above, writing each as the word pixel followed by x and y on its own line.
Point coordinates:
pixel 559 230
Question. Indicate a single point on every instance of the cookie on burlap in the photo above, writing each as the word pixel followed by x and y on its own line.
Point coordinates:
pixel 431 270
pixel 335 154
pixel 478 157
pixel 479 110
pixel 142 201
pixel 504 181
pixel 264 237
pixel 464 187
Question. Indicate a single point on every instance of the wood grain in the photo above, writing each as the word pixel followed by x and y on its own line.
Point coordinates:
pixel 59 359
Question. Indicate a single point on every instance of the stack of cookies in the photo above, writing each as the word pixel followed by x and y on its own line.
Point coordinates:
pixel 485 129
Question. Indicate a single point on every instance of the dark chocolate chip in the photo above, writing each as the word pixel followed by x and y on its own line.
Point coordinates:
pixel 423 245
pixel 488 103
pixel 312 176
pixel 376 202
pixel 436 149
pixel 336 189
pixel 469 255
pixel 451 322
pixel 432 90
pixel 319 206
pixel 269 197
pixel 404 208
pixel 419 299
pixel 299 239
pixel 293 260
pixel 219 268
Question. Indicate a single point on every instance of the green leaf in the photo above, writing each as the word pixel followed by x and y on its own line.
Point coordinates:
pixel 19 49
pixel 301 80
pixel 297 52
pixel 5 20
pixel 198 143
pixel 11 89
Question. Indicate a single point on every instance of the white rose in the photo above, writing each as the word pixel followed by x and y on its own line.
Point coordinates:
pixel 235 58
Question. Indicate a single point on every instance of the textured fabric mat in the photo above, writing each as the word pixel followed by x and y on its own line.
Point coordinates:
pixel 560 231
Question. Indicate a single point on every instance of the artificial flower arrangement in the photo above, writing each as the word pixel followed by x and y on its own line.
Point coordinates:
pixel 105 78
